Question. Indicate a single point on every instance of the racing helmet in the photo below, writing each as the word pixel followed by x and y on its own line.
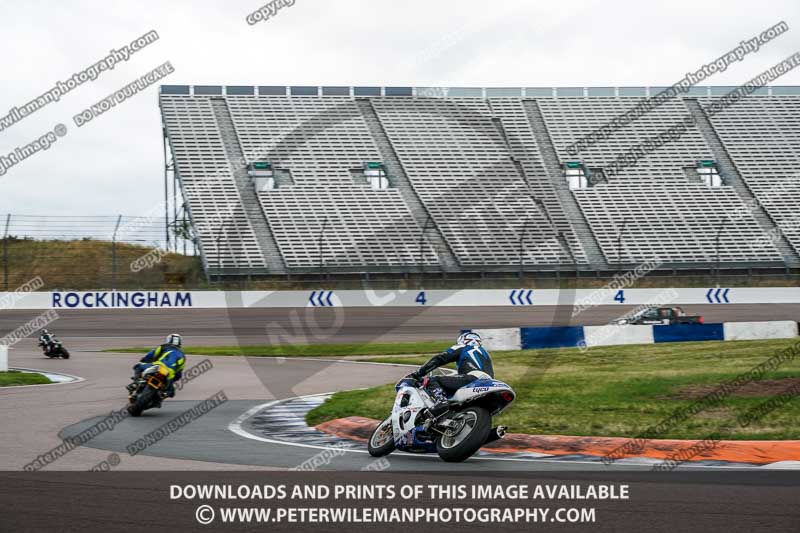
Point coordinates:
pixel 469 338
pixel 174 339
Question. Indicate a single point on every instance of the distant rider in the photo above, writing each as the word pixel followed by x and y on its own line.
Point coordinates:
pixel 46 340
pixel 170 356
pixel 472 360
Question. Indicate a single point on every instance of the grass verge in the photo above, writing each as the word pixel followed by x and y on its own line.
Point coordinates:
pixel 310 350
pixel 14 378
pixel 622 390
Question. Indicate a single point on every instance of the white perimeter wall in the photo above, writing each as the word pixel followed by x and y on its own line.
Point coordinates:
pixel 740 331
pixel 613 334
pixel 501 339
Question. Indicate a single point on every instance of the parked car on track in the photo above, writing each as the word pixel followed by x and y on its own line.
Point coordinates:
pixel 661 316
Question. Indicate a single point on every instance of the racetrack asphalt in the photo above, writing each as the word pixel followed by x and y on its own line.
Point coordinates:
pixel 351 324
pixel 38 416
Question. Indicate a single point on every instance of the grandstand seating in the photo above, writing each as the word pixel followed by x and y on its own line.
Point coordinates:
pixel 522 145
pixel 225 234
pixel 762 136
pixel 486 171
pixel 320 141
pixel 569 119
pixel 459 164
pixel 672 223
pixel 344 227
pixel 651 210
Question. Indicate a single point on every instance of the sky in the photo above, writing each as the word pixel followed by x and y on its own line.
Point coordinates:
pixel 114 164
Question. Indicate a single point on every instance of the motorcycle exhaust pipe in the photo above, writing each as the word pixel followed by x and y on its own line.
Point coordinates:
pixel 496 434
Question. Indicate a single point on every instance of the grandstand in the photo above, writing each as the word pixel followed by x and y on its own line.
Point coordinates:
pixel 280 180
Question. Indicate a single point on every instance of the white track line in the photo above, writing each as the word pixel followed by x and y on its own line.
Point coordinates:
pixel 73 379
pixel 236 427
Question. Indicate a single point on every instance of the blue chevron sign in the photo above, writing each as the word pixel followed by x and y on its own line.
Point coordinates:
pixel 321 298
pixel 521 297
pixel 713 296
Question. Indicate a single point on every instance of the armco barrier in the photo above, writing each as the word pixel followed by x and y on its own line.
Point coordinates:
pixel 612 335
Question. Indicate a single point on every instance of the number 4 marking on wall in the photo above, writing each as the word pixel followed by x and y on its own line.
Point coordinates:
pixel 620 297
pixel 421 298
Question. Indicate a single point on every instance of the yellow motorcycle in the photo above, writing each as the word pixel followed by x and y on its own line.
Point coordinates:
pixel 148 390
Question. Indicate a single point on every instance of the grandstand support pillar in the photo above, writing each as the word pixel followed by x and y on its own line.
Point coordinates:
pixel 562 239
pixel 422 248
pixel 717 241
pixel 219 254
pixel 522 234
pixel 5 253
pixel 114 254
pixel 164 148
pixel 174 212
pixel 319 244
pixel 619 243
pixel 553 227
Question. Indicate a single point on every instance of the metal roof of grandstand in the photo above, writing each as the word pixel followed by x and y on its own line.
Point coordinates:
pixel 458 92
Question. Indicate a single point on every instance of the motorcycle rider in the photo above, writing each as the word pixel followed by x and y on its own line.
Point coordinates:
pixel 46 339
pixel 472 360
pixel 170 356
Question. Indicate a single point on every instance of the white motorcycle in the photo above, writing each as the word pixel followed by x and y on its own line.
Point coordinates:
pixel 456 434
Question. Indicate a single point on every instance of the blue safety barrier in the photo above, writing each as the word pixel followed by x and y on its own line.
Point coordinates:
pixel 552 337
pixel 689 332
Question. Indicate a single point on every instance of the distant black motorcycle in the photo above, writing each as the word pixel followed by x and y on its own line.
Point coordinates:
pixel 53 348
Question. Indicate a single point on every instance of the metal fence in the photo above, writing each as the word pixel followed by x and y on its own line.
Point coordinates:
pixel 125 252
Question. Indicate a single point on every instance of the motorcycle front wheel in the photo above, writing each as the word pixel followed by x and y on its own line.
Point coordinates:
pixel 382 440
pixel 64 353
pixel 461 442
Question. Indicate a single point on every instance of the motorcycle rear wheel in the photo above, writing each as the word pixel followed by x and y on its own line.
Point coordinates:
pixel 475 422
pixel 381 442
pixel 143 401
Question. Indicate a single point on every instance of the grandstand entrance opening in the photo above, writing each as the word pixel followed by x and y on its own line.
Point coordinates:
pixel 261 175
pixel 375 175
pixel 578 176
pixel 709 173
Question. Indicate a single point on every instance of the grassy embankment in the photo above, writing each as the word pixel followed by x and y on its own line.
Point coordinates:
pixel 87 264
pixel 622 390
